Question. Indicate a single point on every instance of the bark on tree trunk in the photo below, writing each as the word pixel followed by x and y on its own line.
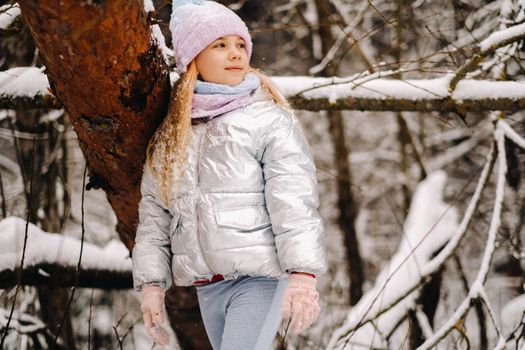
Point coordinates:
pixel 346 201
pixel 104 68
pixel 111 78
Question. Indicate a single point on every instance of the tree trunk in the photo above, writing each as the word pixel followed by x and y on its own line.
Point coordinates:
pixel 346 201
pixel 112 79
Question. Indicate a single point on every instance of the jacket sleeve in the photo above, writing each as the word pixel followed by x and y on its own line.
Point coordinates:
pixel 292 197
pixel 152 252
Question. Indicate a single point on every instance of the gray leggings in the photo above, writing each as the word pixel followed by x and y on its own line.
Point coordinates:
pixel 242 314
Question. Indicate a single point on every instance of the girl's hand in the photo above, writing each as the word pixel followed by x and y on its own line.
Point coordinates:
pixel 153 313
pixel 301 301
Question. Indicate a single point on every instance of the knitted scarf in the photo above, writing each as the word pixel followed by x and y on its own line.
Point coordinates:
pixel 211 99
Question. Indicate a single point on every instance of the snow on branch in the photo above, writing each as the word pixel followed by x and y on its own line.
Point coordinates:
pixel 368 308
pixel 53 258
pixel 502 38
pixel 10 20
pixel 487 47
pixel 481 133
pixel 429 225
pixel 511 134
pixel 22 322
pixel 477 289
pixel 381 94
pixel 25 88
pixel 156 33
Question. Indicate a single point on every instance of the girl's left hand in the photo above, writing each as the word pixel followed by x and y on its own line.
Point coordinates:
pixel 153 313
pixel 301 301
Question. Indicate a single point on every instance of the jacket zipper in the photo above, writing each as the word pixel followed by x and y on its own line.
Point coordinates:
pixel 199 192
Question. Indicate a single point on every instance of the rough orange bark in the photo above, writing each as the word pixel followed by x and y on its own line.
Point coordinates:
pixel 112 80
pixel 102 66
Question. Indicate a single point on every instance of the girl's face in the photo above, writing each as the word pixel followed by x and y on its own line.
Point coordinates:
pixel 224 61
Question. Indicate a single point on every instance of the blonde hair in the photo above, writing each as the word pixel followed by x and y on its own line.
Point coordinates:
pixel 167 148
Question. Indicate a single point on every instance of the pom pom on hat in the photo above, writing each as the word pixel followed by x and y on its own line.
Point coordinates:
pixel 179 3
pixel 195 24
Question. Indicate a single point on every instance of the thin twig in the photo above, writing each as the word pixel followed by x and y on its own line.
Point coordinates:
pixel 19 275
pixel 476 291
pixel 285 333
pixel 90 316
pixel 4 208
pixel 483 341
pixel 77 271
pixel 435 263
pixel 118 337
pixel 478 57
pixel 379 13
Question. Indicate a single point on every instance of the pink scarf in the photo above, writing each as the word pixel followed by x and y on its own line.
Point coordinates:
pixel 211 100
pixel 213 105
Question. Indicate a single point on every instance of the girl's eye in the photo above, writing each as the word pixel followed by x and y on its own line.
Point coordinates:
pixel 219 45
pixel 241 45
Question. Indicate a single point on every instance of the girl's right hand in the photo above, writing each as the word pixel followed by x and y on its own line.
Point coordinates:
pixel 153 313
pixel 301 301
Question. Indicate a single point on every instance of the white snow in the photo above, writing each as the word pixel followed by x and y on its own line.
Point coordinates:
pixel 31 81
pixel 156 34
pixel 502 35
pixel 512 313
pixel 8 13
pixel 22 322
pixel 24 81
pixel 410 89
pixel 511 134
pixel 429 225
pixel 476 289
pixel 43 247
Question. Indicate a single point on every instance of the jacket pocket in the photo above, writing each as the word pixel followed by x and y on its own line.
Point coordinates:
pixel 248 218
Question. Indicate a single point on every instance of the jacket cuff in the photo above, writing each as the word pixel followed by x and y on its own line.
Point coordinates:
pixel 303 273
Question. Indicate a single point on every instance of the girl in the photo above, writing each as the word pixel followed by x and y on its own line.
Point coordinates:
pixel 229 193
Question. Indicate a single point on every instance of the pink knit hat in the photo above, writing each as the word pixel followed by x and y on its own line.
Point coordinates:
pixel 195 24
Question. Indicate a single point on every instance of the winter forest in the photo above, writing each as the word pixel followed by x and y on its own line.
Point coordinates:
pixel 415 114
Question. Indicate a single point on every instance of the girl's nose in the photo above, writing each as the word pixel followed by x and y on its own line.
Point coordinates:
pixel 235 54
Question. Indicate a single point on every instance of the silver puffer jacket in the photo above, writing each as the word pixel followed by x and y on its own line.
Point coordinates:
pixel 246 204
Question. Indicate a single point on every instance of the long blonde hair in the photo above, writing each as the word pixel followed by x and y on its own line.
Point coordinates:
pixel 166 151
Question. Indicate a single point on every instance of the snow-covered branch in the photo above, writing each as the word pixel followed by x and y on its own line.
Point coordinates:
pixel 10 19
pixel 487 47
pixel 156 33
pixel 52 258
pixel 511 134
pixel 477 290
pixel 26 88
pixel 317 94
pixel 369 307
pixel 430 223
pixel 23 88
